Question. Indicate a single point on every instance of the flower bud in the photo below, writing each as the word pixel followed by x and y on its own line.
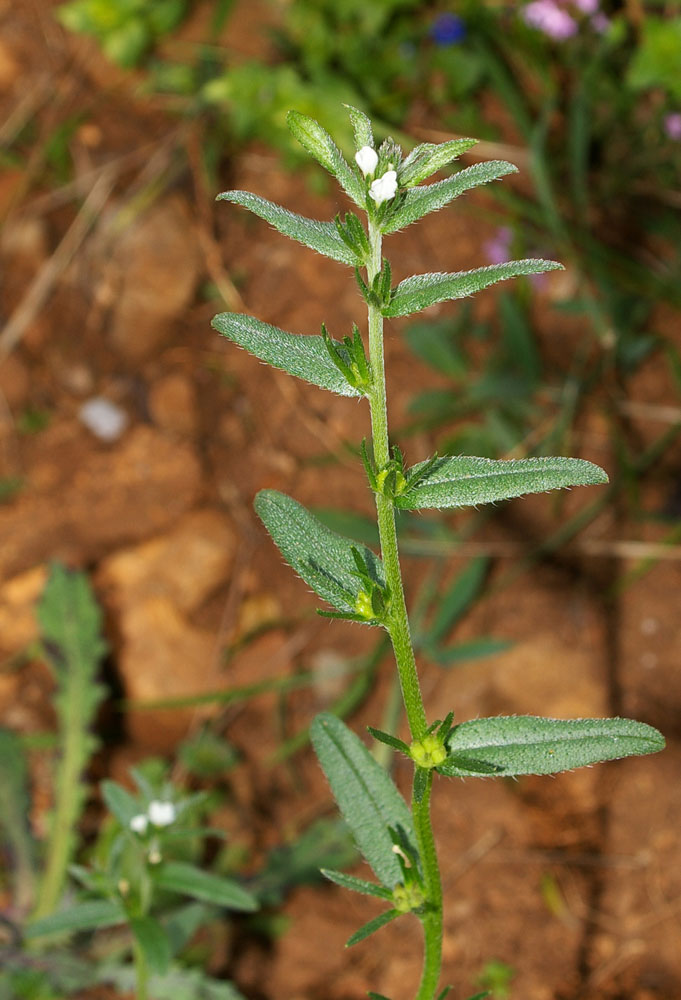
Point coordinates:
pixel 367 160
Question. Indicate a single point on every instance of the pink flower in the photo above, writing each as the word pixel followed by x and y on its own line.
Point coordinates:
pixel 586 6
pixel 672 125
pixel 546 16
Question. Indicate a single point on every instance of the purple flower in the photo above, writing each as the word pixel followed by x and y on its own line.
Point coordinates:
pixel 586 6
pixel 448 29
pixel 497 249
pixel 672 125
pixel 546 16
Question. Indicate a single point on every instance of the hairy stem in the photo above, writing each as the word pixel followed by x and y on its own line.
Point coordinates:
pixel 398 629
pixel 432 919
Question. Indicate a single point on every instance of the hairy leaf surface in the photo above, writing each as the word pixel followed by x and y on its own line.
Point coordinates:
pixel 420 201
pixel 464 481
pixel 525 744
pixel 429 157
pixel 317 141
pixel 365 793
pixel 423 290
pixel 305 357
pixel 361 126
pixel 70 623
pixel 321 557
pixel 320 236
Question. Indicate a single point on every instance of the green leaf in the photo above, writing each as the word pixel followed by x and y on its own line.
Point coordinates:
pixel 320 236
pixel 79 917
pixel 70 623
pixel 371 927
pixel 14 811
pixel 303 356
pixel 361 125
pixel 423 290
pixel 365 793
pixel 186 879
pixel 389 740
pixel 306 357
pixel 120 802
pixel 321 557
pixel 153 942
pixel 356 884
pixel 465 481
pixel 429 157
pixel 472 649
pixel 526 744
pixel 319 144
pixel 420 201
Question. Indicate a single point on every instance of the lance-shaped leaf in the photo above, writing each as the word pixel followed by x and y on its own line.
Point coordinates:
pixel 361 126
pixel 307 357
pixel 420 201
pixel 78 917
pixel 320 236
pixel 371 927
pixel 423 290
pixel 317 141
pixel 357 884
pixel 186 879
pixel 525 744
pixel 429 157
pixel 465 481
pixel 322 558
pixel 366 795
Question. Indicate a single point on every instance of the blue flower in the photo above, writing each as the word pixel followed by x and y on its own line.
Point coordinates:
pixel 448 29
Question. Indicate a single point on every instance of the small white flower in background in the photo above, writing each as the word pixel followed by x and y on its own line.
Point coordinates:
pixel 367 160
pixel 161 813
pixel 139 823
pixel 103 418
pixel 155 857
pixel 384 188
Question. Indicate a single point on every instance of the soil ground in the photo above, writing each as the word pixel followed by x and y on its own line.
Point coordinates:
pixel 574 881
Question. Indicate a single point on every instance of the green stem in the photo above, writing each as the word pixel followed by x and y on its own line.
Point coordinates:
pixel 398 629
pixel 398 626
pixel 141 973
pixel 432 919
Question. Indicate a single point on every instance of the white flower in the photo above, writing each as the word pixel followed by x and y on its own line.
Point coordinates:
pixel 367 160
pixel 139 823
pixel 384 188
pixel 161 813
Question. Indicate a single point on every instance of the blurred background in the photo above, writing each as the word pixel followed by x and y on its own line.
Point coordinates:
pixel 132 442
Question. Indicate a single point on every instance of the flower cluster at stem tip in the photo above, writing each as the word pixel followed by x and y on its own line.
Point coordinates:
pixel 428 752
pixel 382 188
pixel 158 813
